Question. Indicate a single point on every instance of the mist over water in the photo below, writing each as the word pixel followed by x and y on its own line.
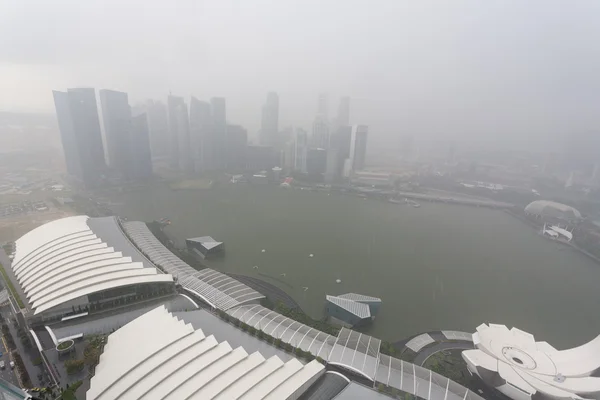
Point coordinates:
pixel 435 267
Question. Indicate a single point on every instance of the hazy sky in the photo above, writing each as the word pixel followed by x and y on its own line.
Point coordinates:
pixel 493 70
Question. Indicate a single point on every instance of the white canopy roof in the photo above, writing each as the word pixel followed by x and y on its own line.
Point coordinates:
pixel 175 362
pixel 219 290
pixel 65 259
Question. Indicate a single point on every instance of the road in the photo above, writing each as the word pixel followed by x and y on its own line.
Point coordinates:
pixel 7 373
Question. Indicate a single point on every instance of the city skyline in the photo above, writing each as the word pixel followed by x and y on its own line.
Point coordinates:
pixel 475 72
pixel 200 138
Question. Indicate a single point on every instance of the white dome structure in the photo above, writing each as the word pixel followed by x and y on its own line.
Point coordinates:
pixel 523 369
pixel 546 208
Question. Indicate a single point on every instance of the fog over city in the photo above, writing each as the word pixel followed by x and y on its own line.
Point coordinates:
pixel 497 72
pixel 299 199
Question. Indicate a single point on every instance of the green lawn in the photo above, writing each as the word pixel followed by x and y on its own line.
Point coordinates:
pixel 11 287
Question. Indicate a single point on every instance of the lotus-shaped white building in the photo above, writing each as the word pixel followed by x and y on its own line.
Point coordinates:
pixel 521 368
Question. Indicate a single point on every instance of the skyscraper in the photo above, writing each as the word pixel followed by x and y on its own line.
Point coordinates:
pixel 77 115
pixel 158 126
pixel 320 133
pixel 201 143
pixel 173 104
pixel 343 116
pixel 270 121
pixel 219 118
pixel 301 150
pixel 183 138
pixel 235 146
pixel 141 156
pixel 116 115
pixel 67 134
pixel 316 162
pixel 323 106
pixel 358 147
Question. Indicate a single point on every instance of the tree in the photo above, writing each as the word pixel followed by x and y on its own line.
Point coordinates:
pixel 381 388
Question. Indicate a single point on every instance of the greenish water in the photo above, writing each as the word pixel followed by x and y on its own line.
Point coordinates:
pixel 435 267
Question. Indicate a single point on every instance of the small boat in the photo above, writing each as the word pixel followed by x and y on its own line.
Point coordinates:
pixel 412 203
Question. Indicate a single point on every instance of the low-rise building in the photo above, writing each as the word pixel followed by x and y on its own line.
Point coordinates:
pixel 351 309
pixel 79 265
pixel 204 246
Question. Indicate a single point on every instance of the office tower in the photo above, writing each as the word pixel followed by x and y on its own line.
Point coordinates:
pixel 183 139
pixel 219 131
pixel 235 147
pixel 289 156
pixel 358 147
pixel 77 115
pixel 260 158
pixel 343 116
pixel 158 127
pixel 201 143
pixel 301 148
pixel 116 115
pixel 332 170
pixel 270 121
pixel 173 104
pixel 323 106
pixel 67 134
pixel 320 133
pixel 141 157
pixel 316 161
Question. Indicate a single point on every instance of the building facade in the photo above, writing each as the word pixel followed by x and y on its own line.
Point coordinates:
pixel 236 144
pixel 358 146
pixel 141 156
pixel 320 133
pixel 300 149
pixel 116 115
pixel 77 114
pixel 316 161
pixel 173 104
pixel 200 134
pixel 270 121
pixel 158 128
pixel 219 131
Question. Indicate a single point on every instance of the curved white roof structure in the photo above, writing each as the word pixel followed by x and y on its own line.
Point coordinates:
pixel 219 290
pixel 318 343
pixel 176 362
pixel 357 352
pixel 521 368
pixel 546 208
pixel 76 256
